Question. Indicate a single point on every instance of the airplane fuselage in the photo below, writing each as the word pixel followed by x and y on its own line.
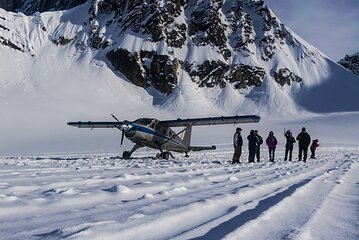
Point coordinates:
pixel 156 137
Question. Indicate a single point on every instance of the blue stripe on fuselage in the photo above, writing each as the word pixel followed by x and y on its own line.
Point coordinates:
pixel 143 129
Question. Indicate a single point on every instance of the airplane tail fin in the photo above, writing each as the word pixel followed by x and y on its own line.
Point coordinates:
pixel 187 136
pixel 187 140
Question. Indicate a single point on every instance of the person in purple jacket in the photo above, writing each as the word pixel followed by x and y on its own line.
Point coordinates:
pixel 271 143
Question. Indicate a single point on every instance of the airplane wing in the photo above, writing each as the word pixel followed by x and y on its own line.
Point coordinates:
pixel 96 124
pixel 210 121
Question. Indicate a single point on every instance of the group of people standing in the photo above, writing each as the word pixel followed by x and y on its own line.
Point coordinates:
pixel 255 141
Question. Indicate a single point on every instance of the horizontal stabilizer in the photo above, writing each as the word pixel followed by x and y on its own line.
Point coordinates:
pixel 201 148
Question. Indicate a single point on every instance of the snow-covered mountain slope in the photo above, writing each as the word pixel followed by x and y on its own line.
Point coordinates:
pixel 215 52
pixel 204 197
pixel 159 59
pixel 351 62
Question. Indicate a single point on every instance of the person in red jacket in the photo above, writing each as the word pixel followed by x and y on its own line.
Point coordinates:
pixel 313 147
pixel 271 143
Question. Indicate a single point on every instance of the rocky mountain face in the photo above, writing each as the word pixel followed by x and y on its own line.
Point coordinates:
pixel 351 63
pixel 228 29
pixel 213 44
pixel 30 7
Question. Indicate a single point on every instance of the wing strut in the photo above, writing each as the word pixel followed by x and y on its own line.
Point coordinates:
pixel 177 134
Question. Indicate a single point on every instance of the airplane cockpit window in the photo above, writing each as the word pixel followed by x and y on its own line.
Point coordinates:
pixel 144 121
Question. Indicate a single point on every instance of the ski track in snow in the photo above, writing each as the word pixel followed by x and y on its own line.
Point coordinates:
pixel 201 197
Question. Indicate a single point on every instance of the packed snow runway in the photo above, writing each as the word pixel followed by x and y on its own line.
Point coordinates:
pixel 201 197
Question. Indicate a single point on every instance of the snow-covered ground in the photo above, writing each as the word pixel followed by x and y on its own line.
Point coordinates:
pixel 87 194
pixel 201 197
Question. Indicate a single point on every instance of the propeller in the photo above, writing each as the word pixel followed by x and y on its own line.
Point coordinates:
pixel 123 128
pixel 115 117
pixel 123 134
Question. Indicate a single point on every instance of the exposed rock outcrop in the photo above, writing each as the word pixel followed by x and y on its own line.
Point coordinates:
pixel 245 75
pixel 285 76
pixel 61 41
pixel 129 64
pixel 30 7
pixel 208 74
pixel 6 42
pixel 146 68
pixel 351 63
pixel 217 73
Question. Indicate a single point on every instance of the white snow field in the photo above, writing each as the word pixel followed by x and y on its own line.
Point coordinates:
pixel 59 182
pixel 201 197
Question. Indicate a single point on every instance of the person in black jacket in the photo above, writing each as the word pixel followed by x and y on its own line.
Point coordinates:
pixel 303 141
pixel 237 143
pixel 289 145
pixel 252 145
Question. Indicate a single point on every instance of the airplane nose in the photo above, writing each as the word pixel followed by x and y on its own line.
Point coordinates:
pixel 125 126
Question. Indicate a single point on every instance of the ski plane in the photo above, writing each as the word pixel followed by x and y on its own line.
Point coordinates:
pixel 153 133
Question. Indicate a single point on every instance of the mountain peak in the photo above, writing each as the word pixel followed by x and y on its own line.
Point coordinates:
pixel 176 48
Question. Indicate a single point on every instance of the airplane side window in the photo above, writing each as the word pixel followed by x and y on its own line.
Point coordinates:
pixel 144 121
